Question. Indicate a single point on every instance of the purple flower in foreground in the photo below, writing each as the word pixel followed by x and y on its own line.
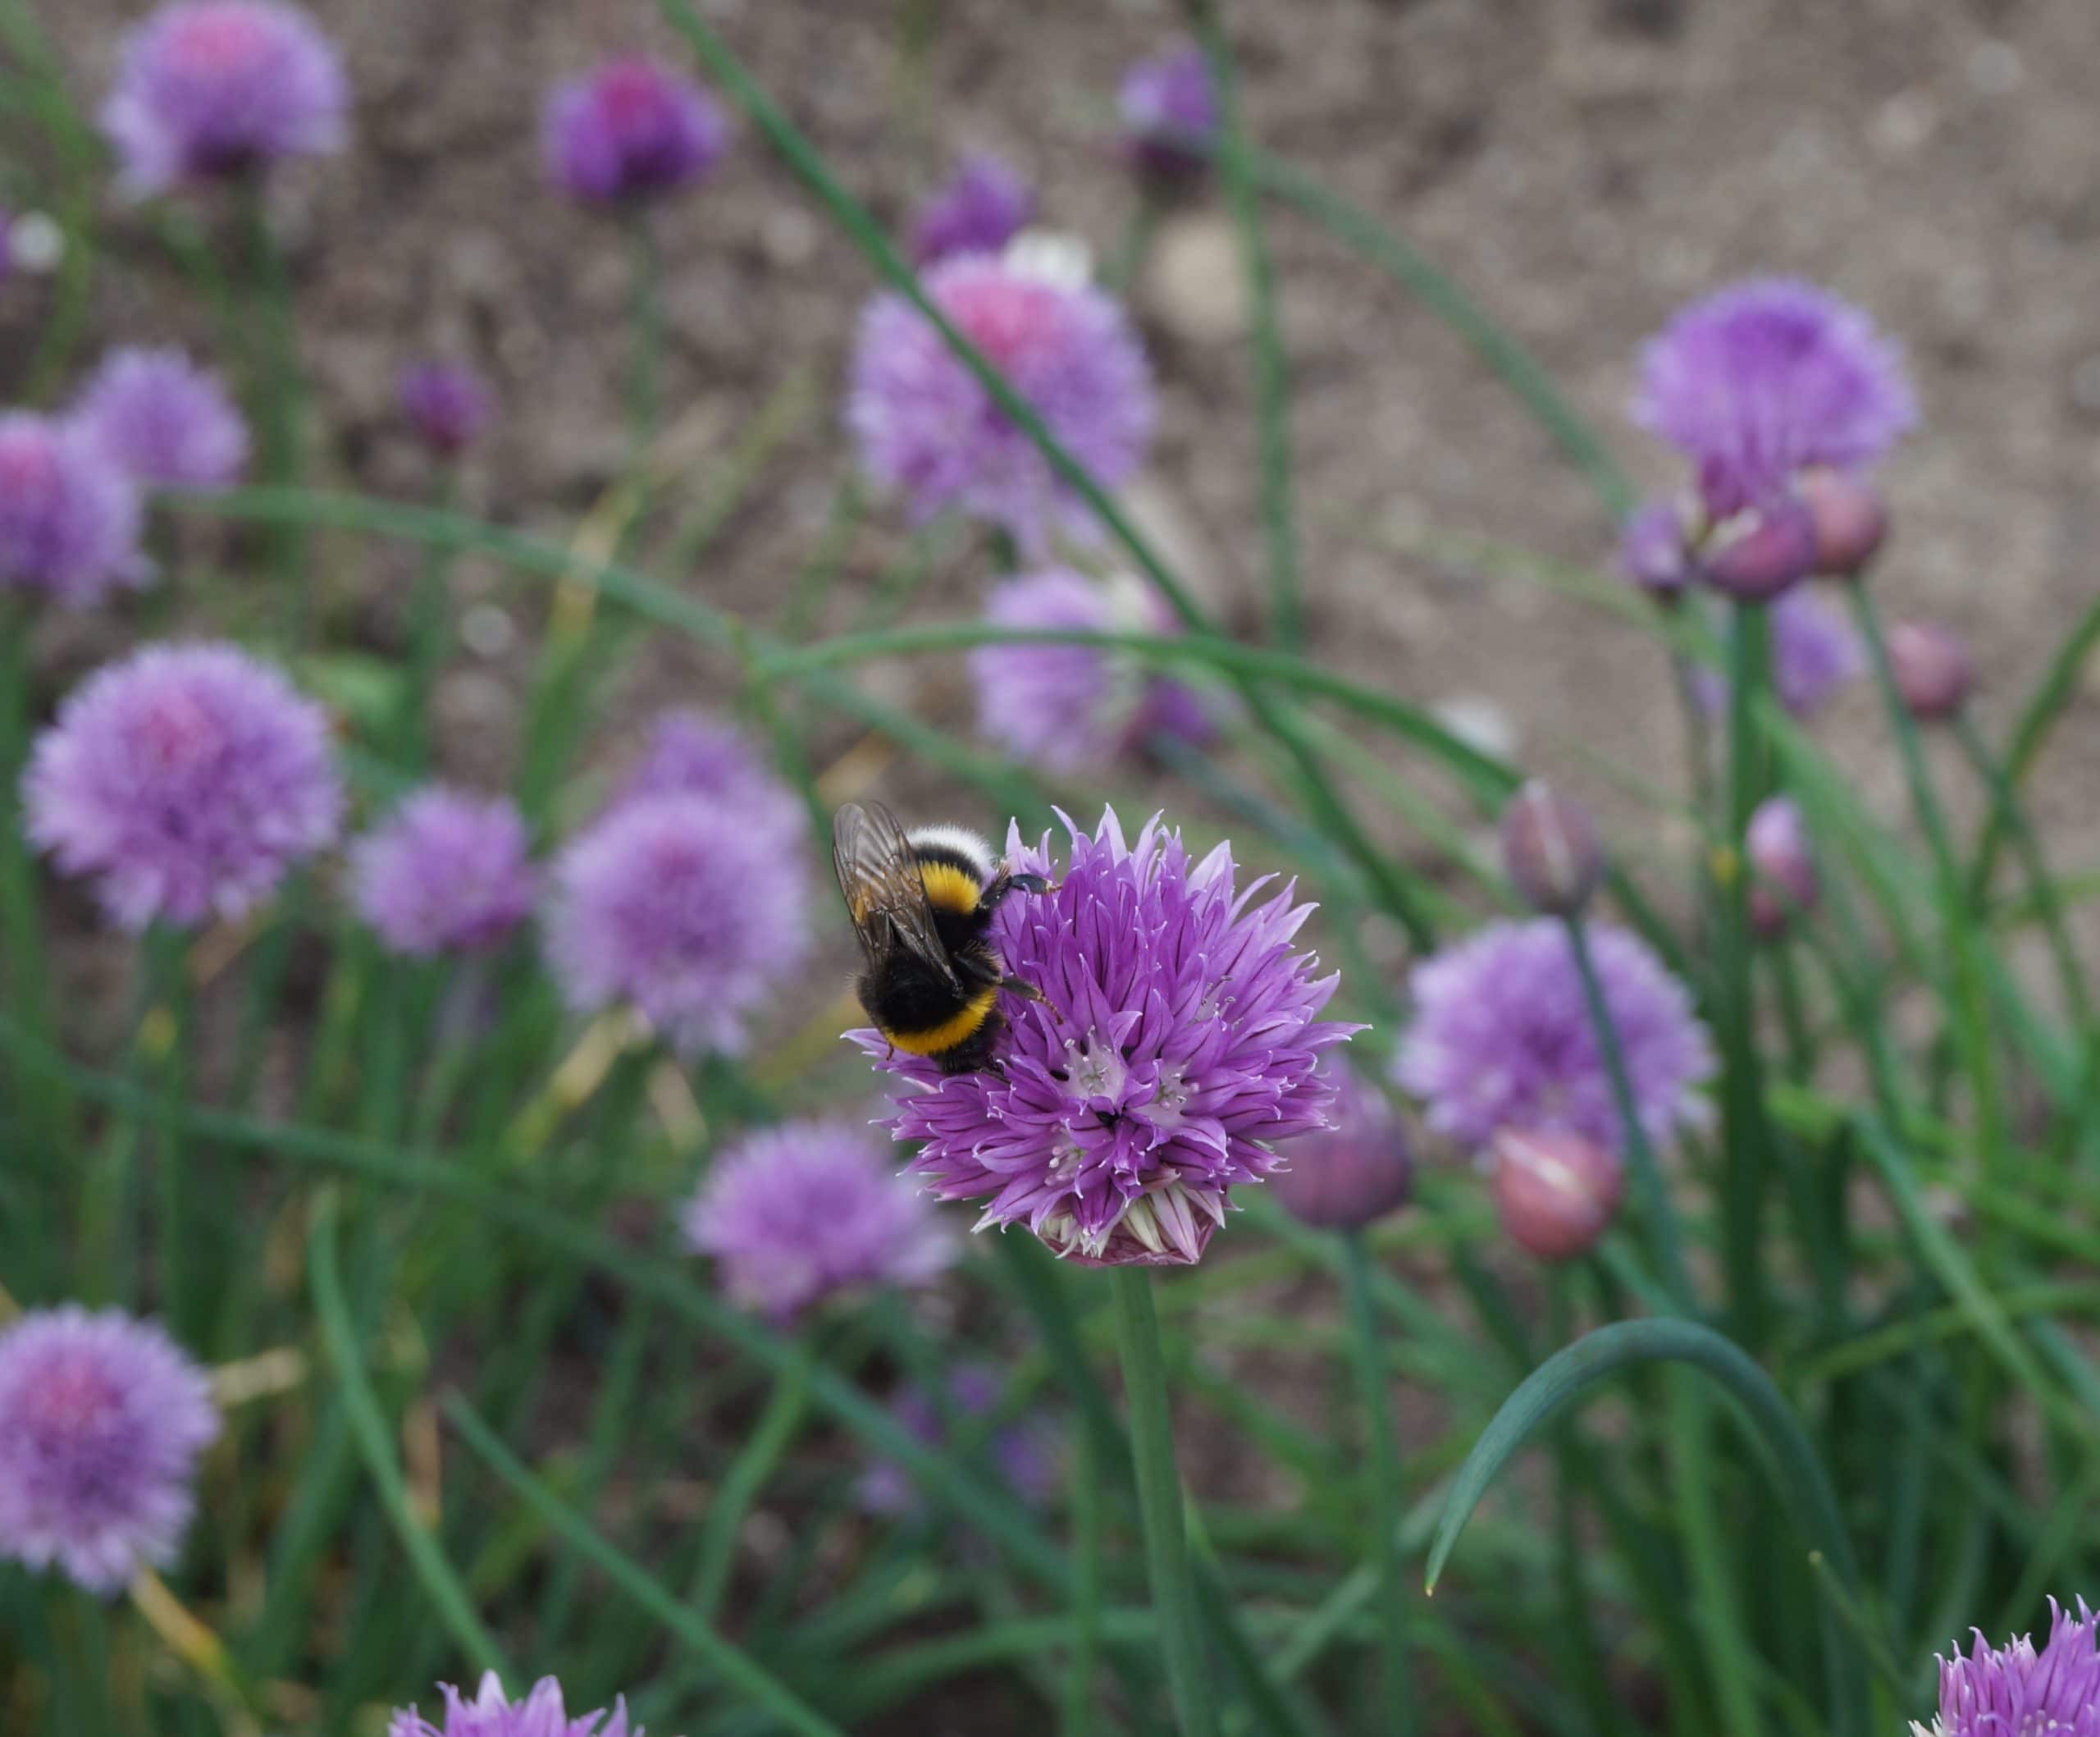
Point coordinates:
pixel 2015 1691
pixel 1764 379
pixel 187 779
pixel 1177 1038
pixel 163 420
pixel 1356 1172
pixel 102 1420
pixel 801 1212
pixel 1067 707
pixel 689 754
pixel 681 908
pixel 927 428
pixel 540 1714
pixel 1170 113
pixel 1501 1037
pixel 1026 1450
pixel 447 872
pixel 983 207
pixel 1814 653
pixel 69 517
pixel 629 130
pixel 446 404
pixel 211 87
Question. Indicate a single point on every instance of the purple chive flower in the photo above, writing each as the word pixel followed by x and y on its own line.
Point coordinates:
pixel 681 909
pixel 1766 378
pixel 628 130
pixel 69 516
pixel 1782 866
pixel 207 89
pixel 1354 1172
pixel 1501 1037
pixel 187 779
pixel 981 208
pixel 1816 652
pixel 802 1211
pixel 927 429
pixel 1933 670
pixel 540 1714
pixel 1067 708
pixel 102 1421
pixel 1555 1192
pixel 1654 550
pixel 447 405
pixel 689 754
pixel 163 420
pixel 2015 1691
pixel 1177 1038
pixel 447 872
pixel 1025 1451
pixel 1170 113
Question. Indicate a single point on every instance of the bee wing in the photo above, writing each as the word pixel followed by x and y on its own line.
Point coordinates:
pixel 878 874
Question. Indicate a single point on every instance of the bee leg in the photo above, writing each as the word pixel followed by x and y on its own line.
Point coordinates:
pixel 1021 987
pixel 1005 882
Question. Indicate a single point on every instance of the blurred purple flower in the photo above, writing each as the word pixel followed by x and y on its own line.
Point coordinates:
pixel 1653 551
pixel 102 1421
pixel 985 205
pixel 630 130
pixel 800 1213
pixel 927 429
pixel 188 779
pixel 1067 708
pixel 681 909
pixel 1555 1191
pixel 163 420
pixel 541 1713
pixel 1814 653
pixel 2014 1691
pixel 1782 866
pixel 1933 670
pixel 212 87
pixel 447 404
pixel 1026 1450
pixel 1170 114
pixel 1352 1173
pixel 1765 377
pixel 447 872
pixel 689 754
pixel 1501 1037
pixel 1177 1038
pixel 69 517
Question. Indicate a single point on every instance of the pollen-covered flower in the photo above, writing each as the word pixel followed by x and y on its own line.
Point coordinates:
pixel 1067 707
pixel 689 754
pixel 681 909
pixel 1025 1449
pixel 983 207
pixel 69 516
pixel 447 872
pixel 1814 653
pixel 187 779
pixel 102 1420
pixel 212 88
pixel 1352 1173
pixel 163 420
pixel 630 130
pixel 1501 1037
pixel 2015 1691
pixel 802 1211
pixel 446 404
pixel 541 1713
pixel 1176 1039
pixel 1170 114
pixel 1765 378
pixel 927 429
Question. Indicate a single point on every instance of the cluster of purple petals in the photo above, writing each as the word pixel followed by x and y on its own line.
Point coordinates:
pixel 630 130
pixel 447 872
pixel 1502 1037
pixel 1814 653
pixel 103 1419
pixel 540 1713
pixel 447 404
pixel 212 88
pixel 1178 1037
pixel 1169 114
pixel 1026 1450
pixel 69 516
pixel 800 1213
pixel 187 779
pixel 985 205
pixel 927 428
pixel 689 754
pixel 163 420
pixel 2016 1691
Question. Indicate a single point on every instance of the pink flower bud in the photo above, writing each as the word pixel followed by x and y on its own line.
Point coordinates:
pixel 1850 518
pixel 1550 850
pixel 1653 551
pixel 1556 1192
pixel 1357 1171
pixel 1783 872
pixel 1933 672
pixel 1758 554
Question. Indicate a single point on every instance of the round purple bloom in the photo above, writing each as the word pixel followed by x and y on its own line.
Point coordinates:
pixel 447 872
pixel 211 87
pixel 1064 708
pixel 2014 1691
pixel 1766 378
pixel 681 909
pixel 1501 1037
pixel 1354 1172
pixel 1175 1040
pixel 979 211
pixel 801 1212
pixel 1026 1450
pixel 446 404
pixel 163 420
pixel 629 130
pixel 1170 113
pixel 540 1714
pixel 102 1420
pixel 69 517
pixel 927 428
pixel 188 779
pixel 689 754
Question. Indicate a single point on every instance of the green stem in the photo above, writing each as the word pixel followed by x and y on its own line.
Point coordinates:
pixel 645 368
pixel 1744 1134
pixel 770 1437
pixel 1089 1474
pixel 21 924
pixel 275 394
pixel 430 639
pixel 1159 1501
pixel 169 951
pixel 1396 1689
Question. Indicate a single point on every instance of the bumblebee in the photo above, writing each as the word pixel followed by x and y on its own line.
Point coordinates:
pixel 922 904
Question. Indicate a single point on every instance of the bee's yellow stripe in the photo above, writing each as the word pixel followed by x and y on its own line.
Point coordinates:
pixel 932 1039
pixel 949 889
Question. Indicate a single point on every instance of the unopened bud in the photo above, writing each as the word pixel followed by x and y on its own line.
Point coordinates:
pixel 1850 519
pixel 1551 851
pixel 1933 672
pixel 1653 548
pixel 1556 1192
pixel 1355 1172
pixel 1781 870
pixel 1761 552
